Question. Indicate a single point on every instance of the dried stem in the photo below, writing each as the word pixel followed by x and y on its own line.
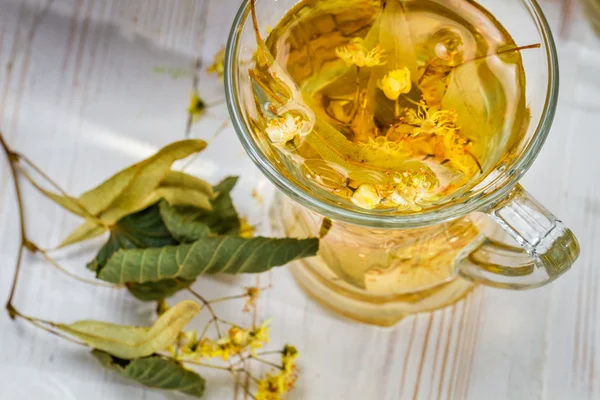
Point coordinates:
pixel 529 46
pixel 11 156
pixel 40 323
pixel 206 304
pixel 39 171
pixel 72 275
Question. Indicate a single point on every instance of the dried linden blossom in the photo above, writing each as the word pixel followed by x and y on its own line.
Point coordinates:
pixel 355 53
pixel 237 341
pixel 417 192
pixel 197 106
pixel 429 122
pixel 275 385
pixel 395 83
pixel 283 129
pixel 218 66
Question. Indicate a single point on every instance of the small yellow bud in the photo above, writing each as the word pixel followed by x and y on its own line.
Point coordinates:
pixel 366 196
pixel 395 83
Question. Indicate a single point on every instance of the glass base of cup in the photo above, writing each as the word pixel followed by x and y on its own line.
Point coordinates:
pixel 378 297
pixel 379 311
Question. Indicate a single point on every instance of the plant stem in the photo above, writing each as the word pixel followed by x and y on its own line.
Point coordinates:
pixel 40 323
pixel 210 309
pixel 260 360
pixel 72 275
pixel 10 155
pixel 529 46
pixel 228 369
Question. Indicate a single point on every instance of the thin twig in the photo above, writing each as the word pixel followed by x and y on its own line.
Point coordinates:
pixel 200 364
pixel 209 307
pixel 40 323
pixel 529 46
pixel 260 360
pixel 72 275
pixel 10 155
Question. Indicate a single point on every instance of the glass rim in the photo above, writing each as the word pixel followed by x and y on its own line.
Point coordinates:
pixel 435 216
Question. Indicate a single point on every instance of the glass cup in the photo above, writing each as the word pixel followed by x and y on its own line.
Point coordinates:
pixel 379 268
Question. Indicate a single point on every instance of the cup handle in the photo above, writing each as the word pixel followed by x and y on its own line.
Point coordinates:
pixel 548 248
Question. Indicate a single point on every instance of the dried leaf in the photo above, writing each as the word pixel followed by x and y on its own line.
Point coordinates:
pixel 326 225
pixel 129 342
pixel 208 255
pixel 334 147
pixel 395 37
pixel 87 230
pixel 155 372
pixel 139 230
pixel 184 197
pixel 132 189
pixel 182 180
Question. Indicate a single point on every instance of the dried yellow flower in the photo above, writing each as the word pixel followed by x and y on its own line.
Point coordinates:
pixel 355 53
pixel 197 106
pixel 253 294
pixel 274 386
pixel 246 230
pixel 418 190
pixel 439 122
pixel 395 83
pixel 218 65
pixel 283 129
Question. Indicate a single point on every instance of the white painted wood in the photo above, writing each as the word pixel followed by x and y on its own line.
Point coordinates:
pixel 90 86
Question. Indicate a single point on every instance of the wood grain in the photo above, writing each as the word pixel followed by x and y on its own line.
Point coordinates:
pixel 90 86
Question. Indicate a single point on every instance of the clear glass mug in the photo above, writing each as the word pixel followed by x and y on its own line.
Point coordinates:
pixel 380 268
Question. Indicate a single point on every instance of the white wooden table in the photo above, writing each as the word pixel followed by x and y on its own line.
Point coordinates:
pixel 90 86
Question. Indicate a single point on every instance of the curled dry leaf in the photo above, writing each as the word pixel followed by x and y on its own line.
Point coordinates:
pixel 130 342
pixel 129 191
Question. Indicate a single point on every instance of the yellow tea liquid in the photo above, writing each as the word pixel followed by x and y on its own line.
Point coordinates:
pixel 393 106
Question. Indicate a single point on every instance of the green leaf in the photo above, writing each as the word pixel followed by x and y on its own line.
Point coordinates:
pixel 155 372
pixel 189 224
pixel 153 291
pixel 208 255
pixel 139 230
pixel 184 223
pixel 129 342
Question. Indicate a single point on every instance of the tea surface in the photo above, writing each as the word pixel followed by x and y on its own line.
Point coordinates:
pixel 393 106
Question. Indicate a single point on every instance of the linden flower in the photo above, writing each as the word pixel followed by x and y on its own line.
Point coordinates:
pixel 197 106
pixel 437 122
pixel 253 294
pixel 395 83
pixel 274 386
pixel 283 129
pixel 288 358
pixel 246 230
pixel 366 196
pixel 357 54
pixel 218 66
pixel 417 192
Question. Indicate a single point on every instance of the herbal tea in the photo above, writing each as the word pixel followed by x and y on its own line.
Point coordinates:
pixel 391 105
